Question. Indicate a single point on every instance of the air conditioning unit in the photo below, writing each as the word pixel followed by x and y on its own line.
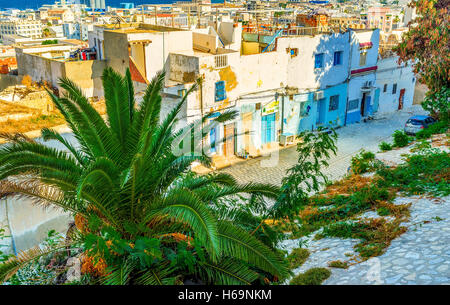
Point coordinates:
pixel 318 95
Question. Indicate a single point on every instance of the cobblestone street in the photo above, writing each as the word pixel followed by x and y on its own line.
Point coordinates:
pixel 351 139
pixel 419 256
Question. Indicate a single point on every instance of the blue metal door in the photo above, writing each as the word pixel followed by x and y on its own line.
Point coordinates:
pixel 320 118
pixel 369 106
pixel 376 100
pixel 268 128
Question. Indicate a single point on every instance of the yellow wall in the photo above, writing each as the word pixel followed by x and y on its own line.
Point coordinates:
pixel 249 48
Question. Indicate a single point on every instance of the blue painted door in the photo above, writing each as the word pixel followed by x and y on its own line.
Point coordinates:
pixel 320 117
pixel 376 100
pixel 268 128
pixel 369 106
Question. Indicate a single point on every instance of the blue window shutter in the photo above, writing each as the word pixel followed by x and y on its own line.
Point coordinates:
pixel 337 58
pixel 318 61
pixel 220 91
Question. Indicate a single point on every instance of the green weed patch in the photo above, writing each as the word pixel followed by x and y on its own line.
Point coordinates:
pixel 314 276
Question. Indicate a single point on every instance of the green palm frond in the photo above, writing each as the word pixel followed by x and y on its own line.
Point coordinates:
pixel 164 274
pixel 120 274
pixel 183 206
pixel 42 194
pixel 117 103
pixel 226 272
pixel 235 242
pixel 266 190
pixel 48 134
pixel 207 180
pixel 130 92
pixel 74 94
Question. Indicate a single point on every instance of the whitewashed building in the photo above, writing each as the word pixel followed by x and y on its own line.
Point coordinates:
pixel 25 28
pixel 362 93
pixel 396 83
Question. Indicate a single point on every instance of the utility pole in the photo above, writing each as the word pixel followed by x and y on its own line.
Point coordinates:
pixel 189 17
pixel 198 16
pixel 216 20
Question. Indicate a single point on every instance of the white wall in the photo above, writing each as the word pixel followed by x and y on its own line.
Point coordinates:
pixel 300 69
pixel 260 72
pixel 390 72
pixel 162 43
pixel 356 82
pixel 358 37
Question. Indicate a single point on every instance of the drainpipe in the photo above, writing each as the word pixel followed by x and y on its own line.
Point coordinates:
pixel 282 113
pixel 13 243
pixel 200 80
pixel 348 73
pixel 164 52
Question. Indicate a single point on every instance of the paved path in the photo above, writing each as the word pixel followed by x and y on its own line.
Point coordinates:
pixel 419 256
pixel 351 139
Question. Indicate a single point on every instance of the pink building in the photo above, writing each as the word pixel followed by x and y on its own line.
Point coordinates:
pixel 380 17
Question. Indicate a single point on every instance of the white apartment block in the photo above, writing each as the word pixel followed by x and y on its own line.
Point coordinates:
pixel 28 28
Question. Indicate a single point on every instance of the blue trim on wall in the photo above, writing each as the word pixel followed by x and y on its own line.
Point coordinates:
pixel 335 117
pixel 353 117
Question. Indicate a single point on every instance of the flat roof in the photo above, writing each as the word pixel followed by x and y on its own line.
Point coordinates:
pixel 142 28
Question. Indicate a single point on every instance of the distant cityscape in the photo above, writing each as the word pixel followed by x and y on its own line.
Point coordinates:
pixel 34 4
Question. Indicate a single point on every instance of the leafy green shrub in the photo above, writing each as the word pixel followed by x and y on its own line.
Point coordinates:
pixel 426 172
pixel 307 175
pixel 50 41
pixel 401 139
pixel 438 103
pixel 421 145
pixel 363 162
pixel 3 256
pixel 345 206
pixel 438 127
pixel 344 230
pixel 297 257
pixel 338 264
pixel 314 276
pixel 384 146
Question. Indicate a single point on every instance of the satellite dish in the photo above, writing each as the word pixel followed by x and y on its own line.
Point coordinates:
pixel 115 20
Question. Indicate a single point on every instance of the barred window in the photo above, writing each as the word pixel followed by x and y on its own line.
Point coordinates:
pixel 221 61
pixel 353 104
pixel 334 102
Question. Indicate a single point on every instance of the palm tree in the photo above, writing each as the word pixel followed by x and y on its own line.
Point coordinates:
pixel 143 213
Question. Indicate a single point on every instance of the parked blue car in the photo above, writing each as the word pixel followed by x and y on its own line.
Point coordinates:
pixel 417 123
